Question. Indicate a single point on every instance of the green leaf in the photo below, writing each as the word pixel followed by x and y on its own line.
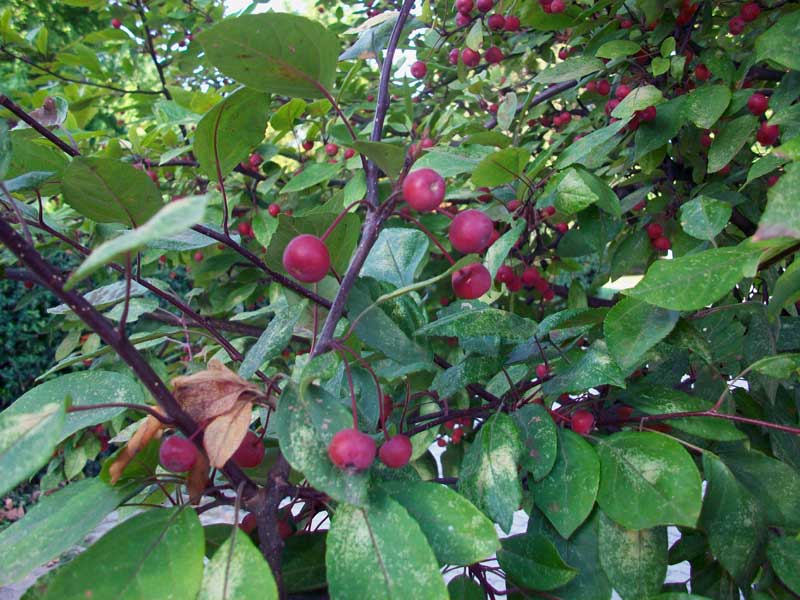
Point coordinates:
pixel 635 561
pixel 273 340
pixel 784 556
pixel 396 256
pixel 104 296
pixel 730 139
pixel 647 480
pixel 534 563
pixel 458 533
pixel 539 439
pixel 595 367
pixel 663 400
pixel 778 42
pixel 474 37
pixel 704 217
pixel 73 512
pixel 669 119
pixel 497 252
pixel 706 104
pixel 83 388
pixel 310 176
pixel 503 166
pixel 566 496
pixel 389 157
pixel 264 226
pixel 489 470
pixel 450 162
pixel 781 217
pixel 506 111
pixel 786 290
pixel 696 280
pixel 158 550
pixel 731 519
pixel 572 68
pixel 476 319
pixel 174 218
pixel 306 420
pixel 228 132
pixel 660 65
pixel 238 571
pixel 780 366
pixel 284 118
pixel 108 191
pixel 464 588
pixel 5 149
pixel 638 99
pixel 582 550
pixel 617 49
pixel 303 562
pixel 27 440
pixel 379 552
pixel 281 53
pixel 632 327
pixel 773 483
pixel 584 147
pixel 573 194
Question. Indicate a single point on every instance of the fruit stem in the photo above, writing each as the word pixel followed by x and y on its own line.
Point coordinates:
pixel 338 219
pixel 424 230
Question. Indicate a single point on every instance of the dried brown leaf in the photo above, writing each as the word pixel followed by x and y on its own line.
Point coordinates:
pixel 213 392
pixel 225 433
pixel 197 480
pixel 149 429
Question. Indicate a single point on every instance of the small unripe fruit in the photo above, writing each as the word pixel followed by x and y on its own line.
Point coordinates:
pixel 561 227
pixel 250 452
pixel 352 450
pixel 249 523
pixel 177 454
pixel 622 91
pixel 419 69
pixel 702 73
pixel 306 258
pixel 611 105
pixel 198 256
pixel 245 228
pixel 255 160
pixel 452 56
pixel 603 87
pixel 706 140
pixel 582 422
pixel 557 6
pixel 542 371
pixel 513 205
pixel 767 135
pixel 512 23
pixel 331 149
pixel 496 21
pixel 648 114
pixel 530 276
pixel 736 25
pixel 750 11
pixel 654 230
pixel 463 19
pixel 274 210
pixel 424 189
pixel 504 274
pixel 471 281
pixel 485 5
pixel 514 284
pixel 464 6
pixel 470 58
pixel 308 145
pixel 757 104
pixel 116 23
pixel 772 180
pixel 396 452
pixel 470 231
pixel 349 153
pixel 662 244
pixel 494 55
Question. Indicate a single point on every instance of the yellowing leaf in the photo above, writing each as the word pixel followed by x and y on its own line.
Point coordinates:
pixel 224 434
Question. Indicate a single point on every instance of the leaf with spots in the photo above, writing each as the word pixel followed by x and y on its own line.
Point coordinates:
pixel 566 496
pixel 784 555
pixel 732 520
pixel 306 421
pixel 475 319
pixel 632 327
pixel 595 367
pixel 156 554
pixel 634 560
pixel 489 470
pixel 533 562
pixel 695 280
pixel 704 218
pixel 280 53
pixel 396 256
pixel 378 552
pixel 646 480
pixel 464 588
pixel 238 571
pixel 539 439
pixel 781 217
pixel 458 533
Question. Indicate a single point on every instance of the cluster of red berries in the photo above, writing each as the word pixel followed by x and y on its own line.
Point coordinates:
pixel 553 6
pixel 495 22
pixel 353 450
pixel 530 279
pixel 457 428
pixel 657 238
pixel 600 86
pixel 749 12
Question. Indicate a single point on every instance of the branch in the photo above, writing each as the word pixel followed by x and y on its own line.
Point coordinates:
pixel 44 131
pixel 34 261
pixel 539 98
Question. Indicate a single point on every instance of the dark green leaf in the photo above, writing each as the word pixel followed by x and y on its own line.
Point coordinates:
pixel 534 563
pixel 638 99
pixel 781 217
pixel 730 139
pixel 706 104
pixel 572 68
pixel 595 367
pixel 500 167
pixel 396 256
pixel 704 217
pixel 475 319
pixel 539 439
pixel 310 176
pixel 778 42
pixel 389 157
pixel 632 327
pixel 238 571
pixel 274 339
pixel 784 555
